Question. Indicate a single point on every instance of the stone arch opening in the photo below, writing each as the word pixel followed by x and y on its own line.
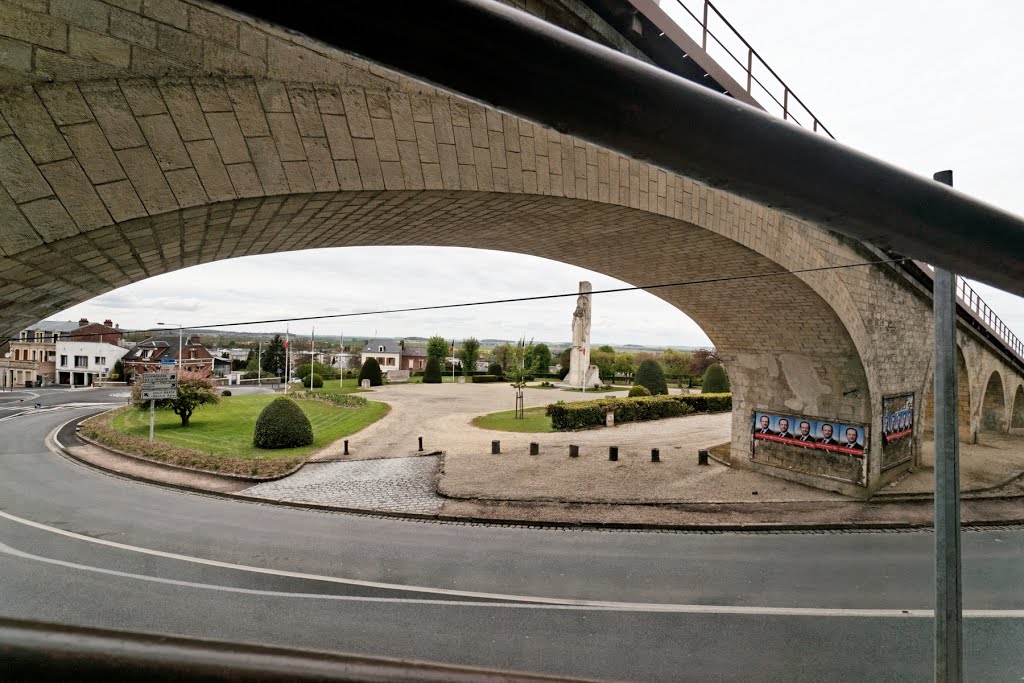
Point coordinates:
pixel 1017 416
pixel 993 405
pixel 963 400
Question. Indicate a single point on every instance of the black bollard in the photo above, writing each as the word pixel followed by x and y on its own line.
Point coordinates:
pixel 346 446
pixel 495 447
pixel 613 453
pixel 421 443
pixel 655 455
pixel 534 448
pixel 574 451
pixel 702 457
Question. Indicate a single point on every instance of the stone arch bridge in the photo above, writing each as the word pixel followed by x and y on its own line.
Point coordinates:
pixel 142 136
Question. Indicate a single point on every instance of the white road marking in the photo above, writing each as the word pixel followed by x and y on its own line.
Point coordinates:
pixel 496 599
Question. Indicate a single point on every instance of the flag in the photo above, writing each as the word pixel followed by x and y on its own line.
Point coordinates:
pixel 452 350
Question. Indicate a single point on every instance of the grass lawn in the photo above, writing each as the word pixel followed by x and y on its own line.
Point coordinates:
pixel 534 420
pixel 225 430
pixel 444 378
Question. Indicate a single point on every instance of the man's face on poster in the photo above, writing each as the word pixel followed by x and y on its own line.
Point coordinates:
pixel 851 435
pixel 783 425
pixel 765 422
pixel 805 429
pixel 826 431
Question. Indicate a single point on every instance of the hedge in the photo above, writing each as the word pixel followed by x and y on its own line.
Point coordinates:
pixel 476 379
pixel 586 414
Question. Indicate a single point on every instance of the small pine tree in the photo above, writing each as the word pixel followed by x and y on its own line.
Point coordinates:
pixel 650 375
pixel 715 380
pixel 371 371
pixel 432 373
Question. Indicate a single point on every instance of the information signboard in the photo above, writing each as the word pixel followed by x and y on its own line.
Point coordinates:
pixel 159 394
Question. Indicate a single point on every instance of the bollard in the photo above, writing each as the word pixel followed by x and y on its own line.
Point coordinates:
pixel 534 448
pixel 346 447
pixel 613 453
pixel 574 451
pixel 655 455
pixel 421 443
pixel 702 457
pixel 495 447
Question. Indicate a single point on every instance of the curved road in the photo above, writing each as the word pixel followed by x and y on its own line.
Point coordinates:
pixel 82 547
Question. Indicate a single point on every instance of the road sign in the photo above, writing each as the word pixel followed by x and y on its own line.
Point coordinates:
pixel 151 377
pixel 160 385
pixel 158 394
pixel 168 361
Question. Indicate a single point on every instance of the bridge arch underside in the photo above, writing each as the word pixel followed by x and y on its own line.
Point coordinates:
pixel 785 347
pixel 993 405
pixel 1017 415
pixel 963 401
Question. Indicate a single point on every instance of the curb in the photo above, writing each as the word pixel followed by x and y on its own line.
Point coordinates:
pixel 57 447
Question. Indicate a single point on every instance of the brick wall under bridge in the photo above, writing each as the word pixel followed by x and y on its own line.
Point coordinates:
pixel 137 138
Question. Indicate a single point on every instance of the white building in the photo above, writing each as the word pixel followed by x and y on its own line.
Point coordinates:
pixel 81 362
pixel 388 353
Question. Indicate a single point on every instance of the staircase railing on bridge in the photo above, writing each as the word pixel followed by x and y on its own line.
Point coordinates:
pixel 762 83
pixel 741 67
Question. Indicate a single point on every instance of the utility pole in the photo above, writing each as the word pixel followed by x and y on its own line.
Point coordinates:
pixel 259 364
pixel 948 582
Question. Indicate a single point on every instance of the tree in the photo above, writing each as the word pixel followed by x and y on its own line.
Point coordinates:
pixel 625 364
pixel 650 375
pixel 516 372
pixel 677 364
pixel 469 353
pixel 282 424
pixel 371 371
pixel 325 371
pixel 118 371
pixel 502 355
pixel 604 361
pixel 541 359
pixel 432 373
pixel 702 358
pixel 274 356
pixel 606 349
pixel 195 389
pixel 437 347
pixel 494 369
pixel 715 380
pixel 563 361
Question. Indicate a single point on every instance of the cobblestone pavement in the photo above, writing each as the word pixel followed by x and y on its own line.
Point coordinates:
pixel 393 484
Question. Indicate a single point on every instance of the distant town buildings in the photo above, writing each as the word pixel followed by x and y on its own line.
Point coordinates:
pixel 395 355
pixel 147 355
pixel 59 352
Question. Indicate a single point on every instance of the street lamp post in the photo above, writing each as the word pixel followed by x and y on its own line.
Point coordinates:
pixel 179 364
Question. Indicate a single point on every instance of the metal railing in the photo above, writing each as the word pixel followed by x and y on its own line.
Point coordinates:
pixel 763 85
pixel 970 300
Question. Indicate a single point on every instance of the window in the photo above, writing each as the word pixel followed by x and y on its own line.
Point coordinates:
pixel 17 354
pixel 33 354
pixel 100 361
pixel 24 335
pixel 391 360
pixel 81 361
pixel 380 349
pixel 419 364
pixel 56 337
pixel 63 360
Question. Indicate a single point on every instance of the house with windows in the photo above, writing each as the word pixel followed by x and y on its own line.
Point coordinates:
pixel 148 354
pixel 388 353
pixel 414 359
pixel 39 355
pixel 88 353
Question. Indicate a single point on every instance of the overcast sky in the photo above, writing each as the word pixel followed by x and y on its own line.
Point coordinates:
pixel 926 85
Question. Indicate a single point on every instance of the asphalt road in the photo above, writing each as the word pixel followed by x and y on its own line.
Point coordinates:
pixel 82 547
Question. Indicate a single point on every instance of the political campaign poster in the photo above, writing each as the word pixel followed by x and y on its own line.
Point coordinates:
pixel 897 430
pixel 831 436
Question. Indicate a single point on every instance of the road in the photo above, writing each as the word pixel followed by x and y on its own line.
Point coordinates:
pixel 82 547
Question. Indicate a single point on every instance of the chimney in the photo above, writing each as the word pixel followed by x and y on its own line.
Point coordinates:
pixel 108 322
pixel 402 344
pixel 83 322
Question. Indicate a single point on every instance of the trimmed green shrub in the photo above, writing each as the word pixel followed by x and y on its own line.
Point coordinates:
pixel 477 379
pixel 587 414
pixel 226 392
pixel 333 397
pixel 650 375
pixel 371 371
pixel 318 381
pixel 715 380
pixel 494 369
pixel 639 390
pixel 707 403
pixel 282 424
pixel 432 373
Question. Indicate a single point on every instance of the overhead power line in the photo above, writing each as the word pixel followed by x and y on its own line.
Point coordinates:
pixel 521 299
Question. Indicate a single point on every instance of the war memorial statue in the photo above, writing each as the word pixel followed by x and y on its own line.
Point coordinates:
pixel 581 372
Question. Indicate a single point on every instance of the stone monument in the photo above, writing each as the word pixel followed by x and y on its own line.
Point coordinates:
pixel 581 372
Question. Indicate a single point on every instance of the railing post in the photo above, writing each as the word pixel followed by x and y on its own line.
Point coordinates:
pixel 704 35
pixel 785 103
pixel 750 68
pixel 948 583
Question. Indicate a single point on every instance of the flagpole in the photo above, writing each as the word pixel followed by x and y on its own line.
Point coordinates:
pixel 287 358
pixel 312 333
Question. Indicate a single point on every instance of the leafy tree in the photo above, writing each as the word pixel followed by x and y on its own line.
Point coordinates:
pixel 325 371
pixel 313 381
pixel 274 356
pixel 503 354
pixel 194 389
pixel 604 361
pixel 715 380
pixel 469 353
pixel 494 369
pixel 371 371
pixel 702 358
pixel 528 357
pixel 650 375
pixel 282 424
pixel 437 347
pixel 563 360
pixel 625 364
pixel 432 372
pixel 604 348
pixel 118 371
pixel 514 371
pixel 541 359
pixel 677 364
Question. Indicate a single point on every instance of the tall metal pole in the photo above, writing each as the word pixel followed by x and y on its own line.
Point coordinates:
pixel 948 584
pixel 259 365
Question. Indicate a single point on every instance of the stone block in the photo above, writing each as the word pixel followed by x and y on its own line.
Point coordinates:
pixel 212 95
pixel 133 28
pixel 369 165
pixel 15 56
pixel 357 114
pixel 207 161
pixel 248 108
pixel 64 102
pixel 348 174
pixel 93 151
pixel 32 27
pixel 26 115
pixel 102 48
pixel 165 142
pixel 183 46
pixel 219 59
pixel 149 183
pixel 213 26
pixel 16 235
pixel 74 190
pixel 113 114
pixel 307 115
pixel 180 99
pixel 300 179
pixel 245 180
pixel 384 136
pixel 143 96
pixel 121 201
pixel 286 135
pixel 228 136
pixel 173 12
pixel 49 219
pixel 89 14
pixel 18 174
pixel 338 137
pixel 252 41
pixel 268 164
pixel 321 164
pixel 187 189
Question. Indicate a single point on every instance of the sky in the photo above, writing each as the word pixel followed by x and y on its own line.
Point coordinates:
pixel 926 85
